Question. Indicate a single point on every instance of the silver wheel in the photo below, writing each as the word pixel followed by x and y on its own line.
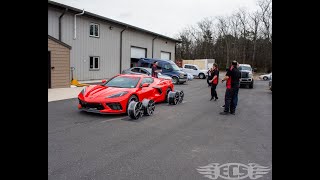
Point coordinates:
pixel 265 78
pixel 173 97
pixel 135 110
pixel 148 107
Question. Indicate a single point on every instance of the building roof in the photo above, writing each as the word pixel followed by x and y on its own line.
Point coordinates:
pixel 75 10
pixel 59 42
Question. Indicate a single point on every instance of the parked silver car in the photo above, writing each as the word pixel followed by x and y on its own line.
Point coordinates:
pixel 143 70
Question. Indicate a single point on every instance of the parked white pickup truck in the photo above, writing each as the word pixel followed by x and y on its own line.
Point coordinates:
pixel 194 70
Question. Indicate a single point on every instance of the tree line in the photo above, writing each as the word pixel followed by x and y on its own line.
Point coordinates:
pixel 243 36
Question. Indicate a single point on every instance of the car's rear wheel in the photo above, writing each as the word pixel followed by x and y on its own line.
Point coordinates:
pixel 175 80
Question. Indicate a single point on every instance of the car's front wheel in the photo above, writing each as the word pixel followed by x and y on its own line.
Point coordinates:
pixel 175 80
pixel 251 85
pixel 168 90
pixel 201 76
pixel 132 98
pixel 265 78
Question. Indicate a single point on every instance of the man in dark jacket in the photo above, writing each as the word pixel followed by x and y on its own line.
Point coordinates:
pixel 214 82
pixel 233 83
pixel 154 69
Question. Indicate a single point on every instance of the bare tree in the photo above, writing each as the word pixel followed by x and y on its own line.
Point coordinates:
pixel 242 16
pixel 224 29
pixel 254 25
pixel 266 17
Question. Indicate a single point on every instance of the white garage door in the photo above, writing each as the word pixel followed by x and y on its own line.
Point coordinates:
pixel 165 55
pixel 138 52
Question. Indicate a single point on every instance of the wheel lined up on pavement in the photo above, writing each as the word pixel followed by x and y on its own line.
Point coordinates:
pixel 175 97
pixel 148 107
pixel 137 109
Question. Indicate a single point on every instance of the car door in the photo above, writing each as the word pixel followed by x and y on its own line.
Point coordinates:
pixel 146 92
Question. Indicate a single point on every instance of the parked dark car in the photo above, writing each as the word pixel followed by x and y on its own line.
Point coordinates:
pixel 168 68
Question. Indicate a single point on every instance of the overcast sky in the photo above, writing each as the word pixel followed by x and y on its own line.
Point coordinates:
pixel 166 17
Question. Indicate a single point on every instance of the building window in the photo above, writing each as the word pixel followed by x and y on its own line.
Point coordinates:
pixel 94 30
pixel 94 63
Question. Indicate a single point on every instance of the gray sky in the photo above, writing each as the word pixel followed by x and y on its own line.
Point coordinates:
pixel 166 17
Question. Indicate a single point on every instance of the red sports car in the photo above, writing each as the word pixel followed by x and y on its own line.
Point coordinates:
pixel 113 96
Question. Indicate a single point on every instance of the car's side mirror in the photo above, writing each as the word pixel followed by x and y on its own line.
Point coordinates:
pixel 104 81
pixel 145 85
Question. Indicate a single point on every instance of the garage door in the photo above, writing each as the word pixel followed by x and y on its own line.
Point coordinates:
pixel 138 52
pixel 166 55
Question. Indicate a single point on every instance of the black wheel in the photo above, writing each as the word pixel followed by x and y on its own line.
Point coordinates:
pixel 173 97
pixel 265 78
pixel 175 80
pixel 168 90
pixel 202 76
pixel 132 98
pixel 181 95
pixel 135 110
pixel 148 107
pixel 251 85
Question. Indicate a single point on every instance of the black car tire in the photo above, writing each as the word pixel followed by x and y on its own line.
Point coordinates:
pixel 148 107
pixel 251 85
pixel 167 92
pixel 173 97
pixel 135 110
pixel 132 98
pixel 202 76
pixel 175 80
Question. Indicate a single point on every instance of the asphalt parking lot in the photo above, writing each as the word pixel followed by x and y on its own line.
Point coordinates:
pixel 171 144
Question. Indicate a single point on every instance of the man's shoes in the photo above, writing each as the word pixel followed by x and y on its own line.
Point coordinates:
pixel 216 98
pixel 211 98
pixel 233 113
pixel 223 106
pixel 224 113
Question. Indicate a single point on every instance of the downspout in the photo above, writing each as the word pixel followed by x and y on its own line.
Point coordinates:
pixel 60 17
pixel 153 43
pixel 75 24
pixel 121 48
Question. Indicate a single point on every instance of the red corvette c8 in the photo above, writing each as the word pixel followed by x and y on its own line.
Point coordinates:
pixel 114 95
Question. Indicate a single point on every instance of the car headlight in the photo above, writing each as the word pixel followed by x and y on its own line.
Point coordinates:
pixel 118 94
pixel 250 75
pixel 83 90
pixel 181 75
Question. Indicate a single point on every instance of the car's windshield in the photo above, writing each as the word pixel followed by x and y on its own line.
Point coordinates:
pixel 175 67
pixel 246 68
pixel 123 82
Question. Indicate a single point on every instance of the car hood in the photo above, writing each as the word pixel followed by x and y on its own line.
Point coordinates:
pixel 96 91
pixel 181 72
